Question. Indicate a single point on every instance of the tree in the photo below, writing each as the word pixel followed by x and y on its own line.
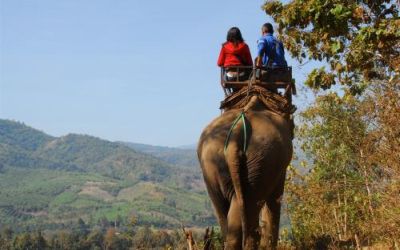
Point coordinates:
pixel 94 240
pixel 328 202
pixel 65 240
pixel 110 239
pixel 349 190
pixel 358 39
pixel 114 241
pixel 131 224
pixel 38 241
pixel 143 238
pixel 118 220
pixel 23 241
pixel 104 223
pixel 380 154
pixel 6 238
pixel 83 229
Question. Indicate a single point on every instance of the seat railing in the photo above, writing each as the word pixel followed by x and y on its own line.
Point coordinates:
pixel 270 78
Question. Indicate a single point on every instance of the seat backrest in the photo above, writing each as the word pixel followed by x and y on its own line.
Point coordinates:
pixel 283 74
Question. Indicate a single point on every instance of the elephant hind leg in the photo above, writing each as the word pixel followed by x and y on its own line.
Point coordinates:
pixel 215 192
pixel 271 216
pixel 270 225
pixel 233 239
pixel 221 207
pixel 253 222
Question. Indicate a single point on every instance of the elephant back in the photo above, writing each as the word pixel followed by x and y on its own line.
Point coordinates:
pixel 272 101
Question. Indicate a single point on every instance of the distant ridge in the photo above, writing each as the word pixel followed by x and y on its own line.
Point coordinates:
pixel 189 146
pixel 186 157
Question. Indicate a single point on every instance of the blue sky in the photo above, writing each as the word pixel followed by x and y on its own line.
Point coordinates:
pixel 139 71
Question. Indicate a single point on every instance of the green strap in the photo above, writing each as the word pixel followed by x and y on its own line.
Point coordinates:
pixel 243 118
pixel 245 133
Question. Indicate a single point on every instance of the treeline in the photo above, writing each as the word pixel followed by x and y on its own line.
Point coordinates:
pixel 346 195
pixel 143 238
pixel 111 238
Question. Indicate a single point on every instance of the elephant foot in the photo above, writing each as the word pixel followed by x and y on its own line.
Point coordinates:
pixel 252 243
pixel 233 244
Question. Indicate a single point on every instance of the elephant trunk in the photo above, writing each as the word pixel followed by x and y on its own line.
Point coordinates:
pixel 235 158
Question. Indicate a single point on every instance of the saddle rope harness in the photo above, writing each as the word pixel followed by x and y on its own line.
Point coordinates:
pixel 241 117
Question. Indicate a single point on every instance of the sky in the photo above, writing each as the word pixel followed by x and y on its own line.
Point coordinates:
pixel 122 70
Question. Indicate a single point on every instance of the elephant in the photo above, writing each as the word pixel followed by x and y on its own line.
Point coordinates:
pixel 244 165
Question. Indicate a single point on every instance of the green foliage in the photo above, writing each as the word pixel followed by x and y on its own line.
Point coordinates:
pixel 331 134
pixel 360 40
pixel 318 78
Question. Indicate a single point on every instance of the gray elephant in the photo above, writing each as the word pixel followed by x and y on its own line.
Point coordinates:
pixel 244 154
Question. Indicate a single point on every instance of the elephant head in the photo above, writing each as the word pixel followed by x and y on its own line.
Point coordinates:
pixel 244 154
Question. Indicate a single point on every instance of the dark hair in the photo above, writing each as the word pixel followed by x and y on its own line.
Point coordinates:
pixel 234 35
pixel 267 28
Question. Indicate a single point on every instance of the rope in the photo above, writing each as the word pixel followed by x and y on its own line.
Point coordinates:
pixel 252 80
pixel 241 117
pixel 272 101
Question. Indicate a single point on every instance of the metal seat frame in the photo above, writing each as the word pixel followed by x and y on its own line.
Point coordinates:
pixel 230 86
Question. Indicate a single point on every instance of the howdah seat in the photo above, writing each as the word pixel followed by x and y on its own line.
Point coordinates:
pixel 272 79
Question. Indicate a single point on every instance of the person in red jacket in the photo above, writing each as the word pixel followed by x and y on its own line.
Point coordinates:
pixel 234 52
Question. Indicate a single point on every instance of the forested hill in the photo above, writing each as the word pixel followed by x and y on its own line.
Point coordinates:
pixel 26 147
pixel 54 180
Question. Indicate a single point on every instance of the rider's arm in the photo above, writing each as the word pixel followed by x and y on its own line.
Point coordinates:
pixel 260 52
pixel 221 58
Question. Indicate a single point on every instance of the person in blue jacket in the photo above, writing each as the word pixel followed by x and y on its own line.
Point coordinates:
pixel 270 50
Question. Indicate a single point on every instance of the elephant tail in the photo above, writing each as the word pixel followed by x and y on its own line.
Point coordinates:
pixel 235 149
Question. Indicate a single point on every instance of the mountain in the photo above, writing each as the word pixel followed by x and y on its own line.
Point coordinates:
pixel 189 146
pixel 22 136
pixel 48 181
pixel 185 157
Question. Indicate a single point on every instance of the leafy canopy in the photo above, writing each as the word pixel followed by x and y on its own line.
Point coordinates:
pixel 359 40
